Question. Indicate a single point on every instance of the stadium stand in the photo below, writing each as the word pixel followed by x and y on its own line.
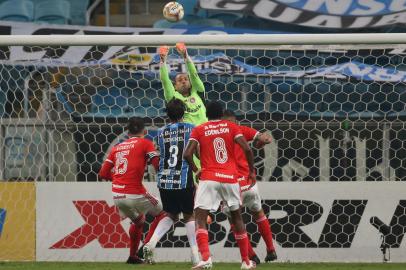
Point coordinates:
pixel 53 11
pixel 17 10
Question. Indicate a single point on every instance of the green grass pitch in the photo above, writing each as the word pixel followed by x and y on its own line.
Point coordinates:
pixel 176 266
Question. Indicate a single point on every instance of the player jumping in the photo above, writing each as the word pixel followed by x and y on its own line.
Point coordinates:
pixel 249 193
pixel 186 86
pixel 218 179
pixel 175 180
pixel 129 159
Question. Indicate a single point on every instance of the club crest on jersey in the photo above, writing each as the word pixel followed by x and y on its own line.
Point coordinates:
pixel 192 100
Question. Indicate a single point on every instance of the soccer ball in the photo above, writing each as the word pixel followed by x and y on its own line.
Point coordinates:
pixel 173 12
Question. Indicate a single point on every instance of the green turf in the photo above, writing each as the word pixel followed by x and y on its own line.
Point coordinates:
pixel 217 266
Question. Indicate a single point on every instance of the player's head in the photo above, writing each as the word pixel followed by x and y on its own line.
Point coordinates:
pixel 175 109
pixel 214 110
pixel 135 126
pixel 230 116
pixel 182 84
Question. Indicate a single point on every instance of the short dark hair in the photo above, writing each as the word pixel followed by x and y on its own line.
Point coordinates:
pixel 214 110
pixel 229 113
pixel 175 109
pixel 135 125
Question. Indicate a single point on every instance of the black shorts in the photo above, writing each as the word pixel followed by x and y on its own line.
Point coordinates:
pixel 177 201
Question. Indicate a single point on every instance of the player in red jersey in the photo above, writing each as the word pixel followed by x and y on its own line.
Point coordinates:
pixel 249 193
pixel 218 179
pixel 125 166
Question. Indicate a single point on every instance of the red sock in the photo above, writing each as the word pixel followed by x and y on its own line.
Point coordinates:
pixel 202 239
pixel 251 252
pixel 242 241
pixel 135 232
pixel 265 230
pixel 153 226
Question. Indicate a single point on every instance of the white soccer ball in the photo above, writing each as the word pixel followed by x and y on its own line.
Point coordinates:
pixel 173 12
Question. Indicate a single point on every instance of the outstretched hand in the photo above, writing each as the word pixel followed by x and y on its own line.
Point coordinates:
pixel 181 48
pixel 163 52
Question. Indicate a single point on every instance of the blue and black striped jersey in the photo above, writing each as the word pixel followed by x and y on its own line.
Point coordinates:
pixel 174 171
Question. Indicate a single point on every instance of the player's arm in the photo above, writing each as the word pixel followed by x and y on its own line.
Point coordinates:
pixel 261 139
pixel 152 155
pixel 191 148
pixel 169 90
pixel 105 170
pixel 195 81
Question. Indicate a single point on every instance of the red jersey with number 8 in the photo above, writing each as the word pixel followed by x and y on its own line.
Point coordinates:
pixel 216 140
pixel 129 159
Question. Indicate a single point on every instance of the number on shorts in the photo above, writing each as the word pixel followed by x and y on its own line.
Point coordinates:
pixel 173 158
pixel 121 162
pixel 220 150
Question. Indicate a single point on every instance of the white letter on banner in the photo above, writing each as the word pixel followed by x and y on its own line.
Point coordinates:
pixel 332 6
pixel 324 21
pixel 265 7
pixel 371 7
pixel 324 163
pixel 392 19
pixel 214 4
pixel 397 5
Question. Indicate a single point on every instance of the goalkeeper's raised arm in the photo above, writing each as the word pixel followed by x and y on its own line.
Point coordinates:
pixel 186 87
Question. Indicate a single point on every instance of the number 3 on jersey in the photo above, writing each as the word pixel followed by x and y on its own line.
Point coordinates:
pixel 173 155
pixel 121 162
pixel 220 150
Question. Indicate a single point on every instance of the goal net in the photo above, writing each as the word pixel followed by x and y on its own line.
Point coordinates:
pixel 336 112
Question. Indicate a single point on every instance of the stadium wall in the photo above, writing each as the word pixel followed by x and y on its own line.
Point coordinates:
pixel 311 221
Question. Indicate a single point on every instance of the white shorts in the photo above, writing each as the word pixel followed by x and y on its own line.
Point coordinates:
pixel 250 199
pixel 134 205
pixel 210 194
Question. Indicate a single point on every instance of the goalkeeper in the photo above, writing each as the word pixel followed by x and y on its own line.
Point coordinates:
pixel 186 87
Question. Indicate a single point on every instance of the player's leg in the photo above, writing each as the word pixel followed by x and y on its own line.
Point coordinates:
pixel 148 203
pixel 252 200
pixel 251 253
pixel 187 205
pixel 231 196
pixel 207 198
pixel 170 207
pixel 127 208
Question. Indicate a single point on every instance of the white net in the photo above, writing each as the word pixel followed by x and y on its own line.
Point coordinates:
pixel 336 113
pixel 345 104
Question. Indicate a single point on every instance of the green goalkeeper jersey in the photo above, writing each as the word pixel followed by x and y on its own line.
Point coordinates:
pixel 195 109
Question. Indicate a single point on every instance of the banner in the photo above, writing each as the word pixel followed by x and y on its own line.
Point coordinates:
pixel 17 221
pixel 336 14
pixel 310 221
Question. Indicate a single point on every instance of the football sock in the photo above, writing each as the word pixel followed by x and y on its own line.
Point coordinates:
pixel 265 230
pixel 163 227
pixel 202 238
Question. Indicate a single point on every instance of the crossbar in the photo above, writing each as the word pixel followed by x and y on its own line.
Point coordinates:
pixel 213 40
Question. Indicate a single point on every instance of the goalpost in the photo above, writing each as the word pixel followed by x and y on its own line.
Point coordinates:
pixel 335 105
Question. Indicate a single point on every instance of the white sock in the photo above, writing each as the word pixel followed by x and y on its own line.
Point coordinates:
pixel 191 236
pixel 163 227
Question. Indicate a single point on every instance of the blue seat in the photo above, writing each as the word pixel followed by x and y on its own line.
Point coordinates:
pixel 17 10
pixel 53 11
pixel 78 9
pixel 227 18
pixel 207 22
pixel 168 24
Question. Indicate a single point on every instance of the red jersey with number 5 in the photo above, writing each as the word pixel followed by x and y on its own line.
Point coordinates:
pixel 216 140
pixel 129 159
